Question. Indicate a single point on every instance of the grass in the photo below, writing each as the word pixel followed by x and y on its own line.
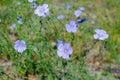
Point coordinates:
pixel 40 60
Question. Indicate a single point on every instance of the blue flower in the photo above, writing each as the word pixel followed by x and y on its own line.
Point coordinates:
pixel 46 14
pixel 71 27
pixel 67 6
pixel 12 26
pixel 82 8
pixel 33 5
pixel 81 20
pixel 31 1
pixel 77 13
pixel 100 34
pixel 116 70
pixel 59 42
pixel 20 46
pixel 19 19
pixel 60 17
pixel 64 50
pixel 19 3
pixel 42 10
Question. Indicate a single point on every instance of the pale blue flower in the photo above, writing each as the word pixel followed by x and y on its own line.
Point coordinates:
pixel 31 1
pixel 60 17
pixel 71 27
pixel 33 5
pixel 81 20
pixel 59 42
pixel 19 19
pixel 77 13
pixel 100 34
pixel 19 3
pixel 82 8
pixel 12 26
pixel 64 50
pixel 46 14
pixel 42 10
pixel 20 46
pixel 67 6
pixel 116 70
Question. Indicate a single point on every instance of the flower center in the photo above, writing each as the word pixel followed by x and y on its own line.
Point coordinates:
pixel 20 45
pixel 100 35
pixel 71 27
pixel 65 50
pixel 41 10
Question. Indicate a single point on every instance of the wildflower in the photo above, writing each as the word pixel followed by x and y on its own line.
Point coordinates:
pixel 60 17
pixel 33 5
pixel 59 42
pixel 81 20
pixel 77 13
pixel 19 20
pixel 42 10
pixel 67 6
pixel 18 3
pixel 47 14
pixel 18 17
pixel 100 34
pixel 20 46
pixel 64 50
pixel 71 27
pixel 82 8
pixel 31 1
pixel 12 26
pixel 116 70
